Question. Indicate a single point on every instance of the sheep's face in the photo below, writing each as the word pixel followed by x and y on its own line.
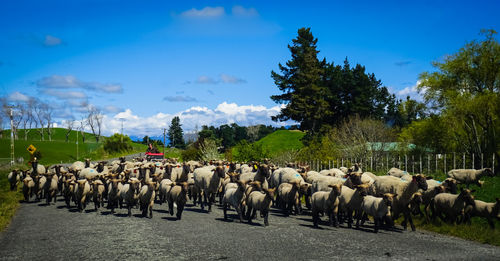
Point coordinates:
pixel 135 186
pixel 219 171
pixel 389 198
pixel 355 178
pixel 451 185
pixel 467 196
pixel 421 181
pixel 489 172
pixel 363 189
pixel 264 169
pixel 336 189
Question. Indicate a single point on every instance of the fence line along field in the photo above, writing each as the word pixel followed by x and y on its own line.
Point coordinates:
pixel 347 197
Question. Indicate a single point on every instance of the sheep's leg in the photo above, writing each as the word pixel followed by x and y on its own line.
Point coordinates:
pixel 129 207
pixel 249 214
pixel 315 217
pixel 180 208
pixel 238 209
pixel 377 223
pixel 171 207
pixel 150 211
pixel 349 218
pixel 266 215
pixel 224 207
pixel 408 217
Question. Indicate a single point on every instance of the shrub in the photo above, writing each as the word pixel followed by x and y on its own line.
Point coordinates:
pixel 117 143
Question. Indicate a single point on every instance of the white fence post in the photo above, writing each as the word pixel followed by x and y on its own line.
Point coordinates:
pixel 473 165
pixel 463 161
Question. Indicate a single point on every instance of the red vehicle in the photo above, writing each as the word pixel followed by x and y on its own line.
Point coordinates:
pixel 153 156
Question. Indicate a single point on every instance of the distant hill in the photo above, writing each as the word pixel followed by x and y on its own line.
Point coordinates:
pixel 282 140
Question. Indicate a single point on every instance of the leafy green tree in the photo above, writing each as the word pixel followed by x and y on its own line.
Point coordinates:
pixel 175 134
pixel 409 111
pixel 465 91
pixel 114 143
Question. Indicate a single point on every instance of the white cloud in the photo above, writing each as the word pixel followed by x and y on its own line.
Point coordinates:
pixel 231 79
pixel 206 80
pixel 411 91
pixel 224 113
pixel 241 11
pixel 51 41
pixel 70 81
pixel 64 94
pixel 180 99
pixel 18 97
pixel 111 109
pixel 207 12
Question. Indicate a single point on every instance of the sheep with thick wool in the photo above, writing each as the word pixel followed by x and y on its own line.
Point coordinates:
pixel 114 188
pixel 51 187
pixel 208 181
pixel 98 188
pixel 147 199
pixel 82 193
pixel 451 207
pixel 177 195
pixel 326 202
pixel 233 196
pixel 350 201
pixel 470 176
pixel 129 193
pixel 378 207
pixel 288 196
pixel 323 183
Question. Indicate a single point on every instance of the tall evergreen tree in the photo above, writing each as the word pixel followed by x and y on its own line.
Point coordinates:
pixel 175 134
pixel 301 82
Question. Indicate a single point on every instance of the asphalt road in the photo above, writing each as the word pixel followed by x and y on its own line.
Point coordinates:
pixel 40 232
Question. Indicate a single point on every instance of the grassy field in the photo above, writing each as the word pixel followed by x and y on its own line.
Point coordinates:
pixel 282 140
pixel 9 200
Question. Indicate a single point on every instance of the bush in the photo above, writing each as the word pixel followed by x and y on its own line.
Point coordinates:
pixel 190 153
pixel 115 144
pixel 245 151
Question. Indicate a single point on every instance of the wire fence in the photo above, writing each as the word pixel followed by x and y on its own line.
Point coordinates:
pixel 423 163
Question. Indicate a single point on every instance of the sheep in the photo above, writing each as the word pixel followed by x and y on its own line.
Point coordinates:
pixel 180 173
pixel 322 183
pixel 350 201
pixel 283 175
pixel 260 201
pixel 97 193
pixel 288 196
pixel 428 195
pixel 208 182
pixel 326 202
pixel 352 179
pixel 165 186
pixel 69 186
pixel 130 193
pixel 395 172
pixel 233 196
pixel 37 169
pixel 40 181
pixel 378 207
pixel 177 195
pixel 333 172
pixel 470 176
pixel 51 187
pixel 114 188
pixel 452 206
pixel 310 176
pixel 14 178
pixel 76 167
pixel 193 191
pixel 89 164
pixel 404 191
pixel 490 211
pixel 28 188
pixel 450 185
pixel 82 191
pixel 147 199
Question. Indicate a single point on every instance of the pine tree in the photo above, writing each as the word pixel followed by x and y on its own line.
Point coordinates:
pixel 175 134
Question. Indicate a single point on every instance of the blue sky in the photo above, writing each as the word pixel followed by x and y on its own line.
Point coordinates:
pixel 209 62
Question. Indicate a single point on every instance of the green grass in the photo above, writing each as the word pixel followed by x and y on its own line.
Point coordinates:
pixel 58 150
pixel 9 200
pixel 282 140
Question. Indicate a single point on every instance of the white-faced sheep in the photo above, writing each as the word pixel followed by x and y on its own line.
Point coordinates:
pixel 208 182
pixel 378 208
pixel 327 203
pixel 470 176
pixel 177 195
pixel 261 201
pixel 395 172
pixel 114 188
pixel 452 206
pixel 404 191
pixel 233 196
pixel 82 192
pixel 129 194
pixel 350 201
pixel 489 211
pixel 147 199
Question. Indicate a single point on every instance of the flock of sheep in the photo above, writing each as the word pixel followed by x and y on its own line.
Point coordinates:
pixel 341 194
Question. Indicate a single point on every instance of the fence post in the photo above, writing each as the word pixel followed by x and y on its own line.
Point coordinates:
pixel 413 163
pixel 463 161
pixel 445 163
pixel 473 165
pixel 436 161
pixel 420 163
pixel 493 168
pixel 454 166
pixel 371 163
pixel 482 154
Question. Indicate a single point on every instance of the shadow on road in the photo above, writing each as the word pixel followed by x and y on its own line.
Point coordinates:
pixel 170 218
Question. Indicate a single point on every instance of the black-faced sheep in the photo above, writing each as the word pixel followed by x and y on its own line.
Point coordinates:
pixel 129 194
pixel 233 196
pixel 14 177
pixel 378 207
pixel 177 195
pixel 489 211
pixel 452 206
pixel 259 201
pixel 147 199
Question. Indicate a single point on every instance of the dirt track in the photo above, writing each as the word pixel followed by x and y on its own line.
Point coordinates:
pixel 40 232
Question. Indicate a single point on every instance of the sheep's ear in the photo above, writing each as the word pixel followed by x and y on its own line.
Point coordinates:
pixel 428 177
pixel 472 191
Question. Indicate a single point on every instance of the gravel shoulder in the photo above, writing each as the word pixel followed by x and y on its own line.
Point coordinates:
pixel 57 233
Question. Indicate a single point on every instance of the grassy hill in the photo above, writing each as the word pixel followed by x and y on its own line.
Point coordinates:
pixel 282 140
pixel 57 150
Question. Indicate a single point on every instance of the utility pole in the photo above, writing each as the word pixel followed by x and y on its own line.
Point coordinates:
pixel 77 143
pixel 11 136
pixel 121 119
pixel 164 142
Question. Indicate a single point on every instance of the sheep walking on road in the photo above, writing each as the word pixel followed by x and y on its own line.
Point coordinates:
pixel 327 203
